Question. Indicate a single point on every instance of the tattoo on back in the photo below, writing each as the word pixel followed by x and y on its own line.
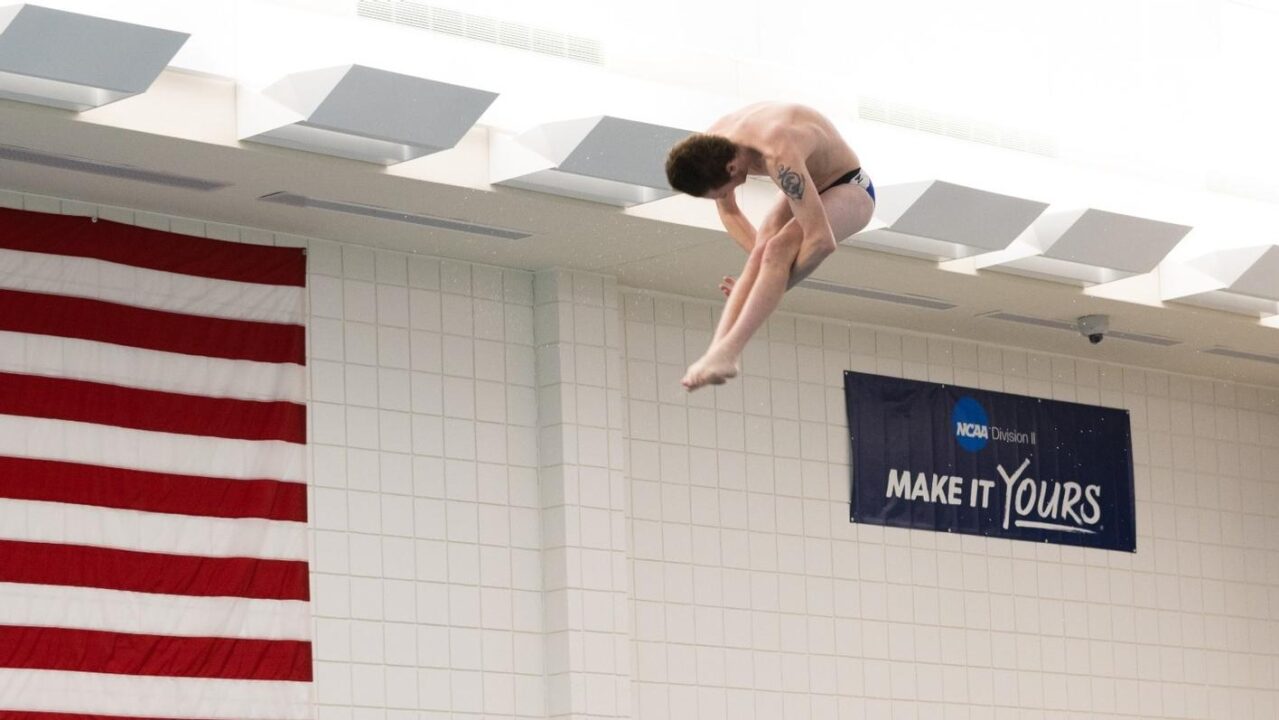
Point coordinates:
pixel 792 183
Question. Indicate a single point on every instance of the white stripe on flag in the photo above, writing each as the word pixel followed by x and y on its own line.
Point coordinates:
pixel 191 302
pixel 92 361
pixel 91 444
pixel 51 522
pixel 150 614
pixel 166 697
pixel 154 289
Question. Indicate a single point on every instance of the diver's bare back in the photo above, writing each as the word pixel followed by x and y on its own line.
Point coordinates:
pixel 768 126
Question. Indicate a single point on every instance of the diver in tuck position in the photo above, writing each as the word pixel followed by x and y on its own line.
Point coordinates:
pixel 800 150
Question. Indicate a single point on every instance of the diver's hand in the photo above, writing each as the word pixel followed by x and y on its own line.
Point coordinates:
pixel 726 285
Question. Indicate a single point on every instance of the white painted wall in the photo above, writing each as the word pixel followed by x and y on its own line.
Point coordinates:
pixel 517 513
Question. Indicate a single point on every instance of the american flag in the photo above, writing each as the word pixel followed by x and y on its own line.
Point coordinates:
pixel 153 548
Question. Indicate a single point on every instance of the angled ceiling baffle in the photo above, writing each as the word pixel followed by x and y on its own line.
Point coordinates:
pixel 1089 246
pixel 939 220
pixel 1239 280
pixel 360 113
pixel 78 62
pixel 601 159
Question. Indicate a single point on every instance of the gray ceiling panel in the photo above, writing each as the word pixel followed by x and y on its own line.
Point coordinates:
pixel 364 113
pixel 602 159
pixel 1241 280
pixel 1261 279
pixel 624 151
pixel 979 220
pixel 75 61
pixel 943 221
pixel 1119 242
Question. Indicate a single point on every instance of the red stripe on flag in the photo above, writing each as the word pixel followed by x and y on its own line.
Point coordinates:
pixel 102 321
pixel 41 715
pixel 52 481
pixel 151 249
pixel 110 569
pixel 98 651
pixel 154 410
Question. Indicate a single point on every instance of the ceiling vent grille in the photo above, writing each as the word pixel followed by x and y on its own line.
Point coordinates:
pixel 302 201
pixel 93 167
pixel 483 29
pixel 956 126
pixel 1143 338
pixel 1227 352
pixel 1030 320
pixel 1070 327
pixel 919 301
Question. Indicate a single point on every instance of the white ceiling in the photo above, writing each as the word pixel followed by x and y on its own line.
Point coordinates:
pixel 642 253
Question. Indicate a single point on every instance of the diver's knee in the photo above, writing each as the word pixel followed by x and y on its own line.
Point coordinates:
pixel 781 249
pixel 826 248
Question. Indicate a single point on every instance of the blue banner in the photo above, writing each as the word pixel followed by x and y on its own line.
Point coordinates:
pixel 940 457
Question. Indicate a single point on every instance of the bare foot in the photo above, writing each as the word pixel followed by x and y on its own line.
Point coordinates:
pixel 713 369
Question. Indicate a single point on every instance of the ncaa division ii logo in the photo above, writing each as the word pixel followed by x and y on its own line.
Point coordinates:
pixel 972 428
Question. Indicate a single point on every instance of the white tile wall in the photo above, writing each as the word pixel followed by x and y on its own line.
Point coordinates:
pixel 755 596
pixel 438 500
pixel 584 497
pixel 424 506
pixel 517 513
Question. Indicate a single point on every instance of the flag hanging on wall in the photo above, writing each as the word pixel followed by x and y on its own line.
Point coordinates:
pixel 153 548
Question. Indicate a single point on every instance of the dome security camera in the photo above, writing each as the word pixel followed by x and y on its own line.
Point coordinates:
pixel 1093 327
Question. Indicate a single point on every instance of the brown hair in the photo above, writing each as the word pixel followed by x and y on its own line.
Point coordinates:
pixel 699 163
